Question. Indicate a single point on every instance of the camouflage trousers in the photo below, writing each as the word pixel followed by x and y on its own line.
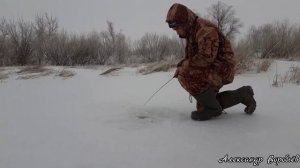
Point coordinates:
pixel 196 83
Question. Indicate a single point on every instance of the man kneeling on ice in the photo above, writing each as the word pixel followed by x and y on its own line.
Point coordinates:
pixel 207 66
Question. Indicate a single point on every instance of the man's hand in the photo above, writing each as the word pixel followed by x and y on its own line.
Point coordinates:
pixel 183 64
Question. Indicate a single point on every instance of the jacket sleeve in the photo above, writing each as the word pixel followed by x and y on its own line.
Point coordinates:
pixel 208 45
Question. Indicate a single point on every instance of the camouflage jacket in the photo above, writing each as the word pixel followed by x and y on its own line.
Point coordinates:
pixel 209 59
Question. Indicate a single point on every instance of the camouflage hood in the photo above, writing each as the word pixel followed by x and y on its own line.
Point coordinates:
pixel 182 15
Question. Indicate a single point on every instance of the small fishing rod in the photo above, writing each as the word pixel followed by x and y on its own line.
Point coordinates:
pixel 158 90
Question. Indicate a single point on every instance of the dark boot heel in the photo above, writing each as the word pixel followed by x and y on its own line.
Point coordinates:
pixel 250 101
pixel 200 116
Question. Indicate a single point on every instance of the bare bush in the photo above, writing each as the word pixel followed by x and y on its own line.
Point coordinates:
pixel 3 42
pixel 58 50
pixel 176 48
pixel 80 50
pixel 262 40
pixel 244 61
pixel 152 47
pixel 148 47
pixel 295 41
pixel 21 36
pixel 277 81
pixel 45 28
pixel 263 65
pixel 223 16
pixel 122 50
pixel 293 75
pixel 40 43
pixel 114 47
pixel 276 40
pixel 107 44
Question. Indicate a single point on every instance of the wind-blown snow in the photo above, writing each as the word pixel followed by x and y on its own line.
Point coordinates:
pixel 92 121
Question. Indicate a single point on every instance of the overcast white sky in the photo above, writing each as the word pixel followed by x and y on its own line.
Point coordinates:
pixel 136 17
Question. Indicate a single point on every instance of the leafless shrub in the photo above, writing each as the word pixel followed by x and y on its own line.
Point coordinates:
pixel 81 51
pixel 21 36
pixel 149 47
pixel 122 50
pixel 277 81
pixel 293 75
pixel 244 61
pixel 40 43
pixel 58 50
pixel 3 42
pixel 176 48
pixel 223 16
pixel 153 47
pixel 262 40
pixel 45 28
pixel 275 40
pixel 244 64
pixel 263 65
pixel 241 66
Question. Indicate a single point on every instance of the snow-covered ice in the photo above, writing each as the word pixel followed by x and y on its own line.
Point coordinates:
pixel 93 121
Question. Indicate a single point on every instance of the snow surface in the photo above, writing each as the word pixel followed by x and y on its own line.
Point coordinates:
pixel 93 121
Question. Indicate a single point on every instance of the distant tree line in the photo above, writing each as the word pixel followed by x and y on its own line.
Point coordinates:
pixel 275 40
pixel 40 42
pixel 279 39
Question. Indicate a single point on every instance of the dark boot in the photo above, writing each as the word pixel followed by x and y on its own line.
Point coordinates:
pixel 212 108
pixel 242 95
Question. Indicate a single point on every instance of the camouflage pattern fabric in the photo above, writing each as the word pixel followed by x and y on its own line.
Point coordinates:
pixel 209 58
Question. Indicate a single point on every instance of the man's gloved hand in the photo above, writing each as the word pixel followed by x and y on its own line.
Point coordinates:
pixel 183 64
